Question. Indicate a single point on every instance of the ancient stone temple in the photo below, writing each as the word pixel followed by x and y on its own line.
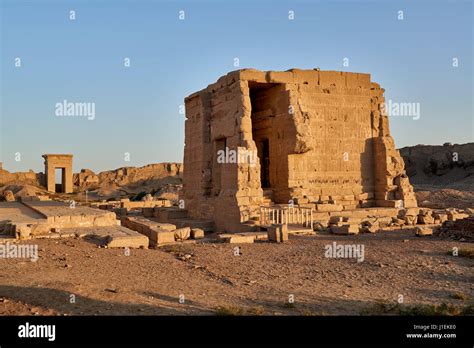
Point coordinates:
pixel 313 138
pixel 53 162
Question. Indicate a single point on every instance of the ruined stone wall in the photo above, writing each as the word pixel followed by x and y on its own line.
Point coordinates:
pixel 392 186
pixel 328 142
pixel 212 115
pixel 336 162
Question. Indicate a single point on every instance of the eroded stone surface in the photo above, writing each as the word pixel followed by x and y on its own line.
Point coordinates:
pixel 9 196
pixel 306 136
pixel 278 233
pixel 110 236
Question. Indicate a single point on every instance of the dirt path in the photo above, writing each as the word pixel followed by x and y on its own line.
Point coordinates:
pixel 259 280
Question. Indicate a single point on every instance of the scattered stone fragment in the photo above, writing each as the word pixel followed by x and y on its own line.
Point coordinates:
pixel 163 237
pixel 440 217
pixel 410 219
pixel 384 221
pixel 461 229
pixel 423 231
pixel 278 233
pixel 182 233
pixel 398 222
pixel 425 219
pixel 369 229
pixel 128 241
pixel 9 196
pixel 236 238
pixel 112 290
pixel 345 230
pixel 319 227
pixel 197 233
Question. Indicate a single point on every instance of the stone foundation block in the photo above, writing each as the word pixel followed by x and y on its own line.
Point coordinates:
pixel 345 229
pixel 278 233
pixel 182 233
pixel 197 233
pixel 424 231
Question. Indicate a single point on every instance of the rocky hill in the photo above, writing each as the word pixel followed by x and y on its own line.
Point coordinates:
pixel 160 179
pixel 127 181
pixel 30 177
pixel 442 175
pixel 443 166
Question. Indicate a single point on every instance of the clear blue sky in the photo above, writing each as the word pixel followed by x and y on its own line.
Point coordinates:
pixel 137 108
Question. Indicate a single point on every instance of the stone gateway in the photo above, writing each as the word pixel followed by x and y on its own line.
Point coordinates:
pixel 63 162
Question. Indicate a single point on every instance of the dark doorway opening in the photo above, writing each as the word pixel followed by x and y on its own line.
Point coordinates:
pixel 60 179
pixel 264 99
pixel 264 154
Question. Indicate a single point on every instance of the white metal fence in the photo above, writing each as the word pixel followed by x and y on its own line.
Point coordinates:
pixel 286 215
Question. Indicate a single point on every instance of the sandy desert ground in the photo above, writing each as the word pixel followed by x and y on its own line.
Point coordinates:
pixel 258 281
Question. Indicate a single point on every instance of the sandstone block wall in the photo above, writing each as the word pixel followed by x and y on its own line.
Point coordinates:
pixel 319 136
